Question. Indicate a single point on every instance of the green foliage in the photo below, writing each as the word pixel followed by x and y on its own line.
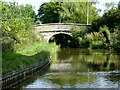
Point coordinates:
pixel 95 40
pixel 17 21
pixel 84 39
pixel 66 12
pixel 94 36
pixel 49 12
pixel 36 47
pixel 77 35
pixel 23 62
pixel 28 56
pixel 96 44
pixel 115 39
pixel 110 19
pixel 108 24
pixel 10 56
pixel 78 32
pixel 108 6
pixel 106 33
pixel 27 11
pixel 19 40
pixel 75 12
pixel 119 5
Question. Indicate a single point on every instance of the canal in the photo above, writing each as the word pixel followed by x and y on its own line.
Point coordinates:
pixel 79 68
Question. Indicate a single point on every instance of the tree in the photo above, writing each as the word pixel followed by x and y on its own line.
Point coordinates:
pixel 68 12
pixel 17 24
pixel 119 5
pixel 75 12
pixel 110 19
pixel 49 12
pixel 109 6
pixel 27 11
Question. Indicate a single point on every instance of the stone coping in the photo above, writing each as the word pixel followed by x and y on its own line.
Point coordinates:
pixel 63 24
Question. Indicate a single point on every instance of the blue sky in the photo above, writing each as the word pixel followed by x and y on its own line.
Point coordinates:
pixel 37 3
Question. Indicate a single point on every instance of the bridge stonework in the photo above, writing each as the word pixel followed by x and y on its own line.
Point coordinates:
pixel 50 29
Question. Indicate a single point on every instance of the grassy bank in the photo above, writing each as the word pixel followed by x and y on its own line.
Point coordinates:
pixel 28 56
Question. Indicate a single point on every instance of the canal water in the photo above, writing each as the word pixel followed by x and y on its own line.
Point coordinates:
pixel 79 68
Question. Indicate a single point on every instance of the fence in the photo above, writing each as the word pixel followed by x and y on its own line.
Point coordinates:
pixel 19 75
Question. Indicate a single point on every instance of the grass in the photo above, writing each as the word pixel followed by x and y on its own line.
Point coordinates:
pixel 23 62
pixel 20 62
pixel 10 56
pixel 29 50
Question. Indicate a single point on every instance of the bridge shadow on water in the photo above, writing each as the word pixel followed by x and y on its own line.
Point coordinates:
pixel 64 40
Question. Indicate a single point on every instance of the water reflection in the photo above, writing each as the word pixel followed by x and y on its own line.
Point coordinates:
pixel 81 60
pixel 81 68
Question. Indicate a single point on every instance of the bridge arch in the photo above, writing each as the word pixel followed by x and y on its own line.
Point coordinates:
pixel 63 39
pixel 51 29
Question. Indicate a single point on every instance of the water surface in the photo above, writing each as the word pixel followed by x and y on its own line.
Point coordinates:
pixel 80 68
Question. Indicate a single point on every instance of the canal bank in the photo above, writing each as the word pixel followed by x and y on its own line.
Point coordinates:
pixel 26 65
pixel 14 78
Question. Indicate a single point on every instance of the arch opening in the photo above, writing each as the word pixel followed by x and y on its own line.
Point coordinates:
pixel 64 40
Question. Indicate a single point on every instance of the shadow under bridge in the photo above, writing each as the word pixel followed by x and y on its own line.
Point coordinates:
pixel 64 40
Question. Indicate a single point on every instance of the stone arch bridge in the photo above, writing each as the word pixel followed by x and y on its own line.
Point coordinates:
pixel 51 29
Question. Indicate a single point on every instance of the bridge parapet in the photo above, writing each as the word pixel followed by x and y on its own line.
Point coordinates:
pixel 58 26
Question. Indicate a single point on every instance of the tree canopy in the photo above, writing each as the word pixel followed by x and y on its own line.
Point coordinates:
pixel 49 12
pixel 17 21
pixel 66 12
pixel 111 19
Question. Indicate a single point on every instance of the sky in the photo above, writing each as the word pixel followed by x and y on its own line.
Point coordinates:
pixel 37 3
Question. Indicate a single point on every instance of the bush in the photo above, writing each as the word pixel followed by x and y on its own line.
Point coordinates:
pixel 78 32
pixel 83 38
pixel 82 43
pixel 110 19
pixel 115 39
pixel 96 44
pixel 17 21
pixel 106 33
pixel 95 40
